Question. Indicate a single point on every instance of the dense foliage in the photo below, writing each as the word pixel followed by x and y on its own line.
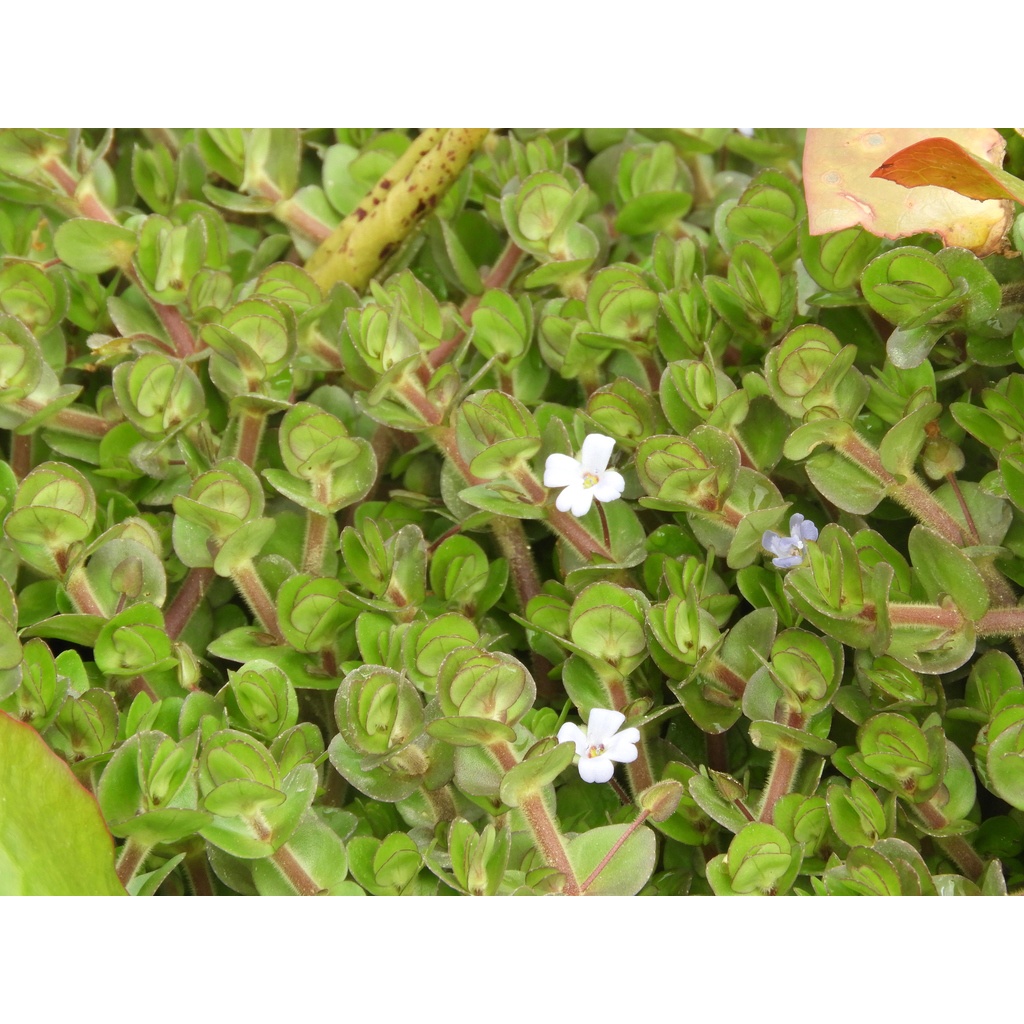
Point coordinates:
pixel 313 549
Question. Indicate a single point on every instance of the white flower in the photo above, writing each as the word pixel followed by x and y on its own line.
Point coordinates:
pixel 600 743
pixel 584 479
pixel 789 551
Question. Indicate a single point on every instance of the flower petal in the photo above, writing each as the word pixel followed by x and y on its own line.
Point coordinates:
pixel 596 769
pixel 565 499
pixel 610 486
pixel 769 540
pixel 794 524
pixel 572 733
pixel 561 470
pixel 621 747
pixel 788 561
pixel 597 450
pixel 808 531
pixel 583 498
pixel 603 724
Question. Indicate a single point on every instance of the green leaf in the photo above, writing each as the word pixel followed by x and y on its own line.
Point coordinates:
pixel 533 774
pixel 629 868
pixel 53 841
pixel 93 246
pixel 945 571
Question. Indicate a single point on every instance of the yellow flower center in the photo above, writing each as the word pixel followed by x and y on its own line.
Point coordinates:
pixel 596 750
pixel 589 479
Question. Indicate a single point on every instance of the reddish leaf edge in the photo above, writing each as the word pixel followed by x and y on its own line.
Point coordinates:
pixel 946 164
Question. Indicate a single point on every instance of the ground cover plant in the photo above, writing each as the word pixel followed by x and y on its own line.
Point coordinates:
pixel 474 512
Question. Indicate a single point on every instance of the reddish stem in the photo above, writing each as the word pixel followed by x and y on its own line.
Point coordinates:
pixel 959 849
pixel 133 853
pixel 296 874
pixel 912 494
pixel 497 278
pixel 545 833
pixel 188 598
pixel 784 769
pixel 68 421
pixel 251 587
pixel 21 455
pixel 90 206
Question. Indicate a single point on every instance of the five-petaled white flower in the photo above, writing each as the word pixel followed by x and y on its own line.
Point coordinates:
pixel 600 743
pixel 789 551
pixel 586 478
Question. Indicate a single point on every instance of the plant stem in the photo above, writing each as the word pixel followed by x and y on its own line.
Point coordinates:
pixel 302 221
pixel 441 803
pixel 138 684
pixel 566 525
pixel 284 859
pixel 913 495
pixel 250 426
pixel 546 835
pixel 957 847
pixel 592 877
pixel 68 421
pixel 81 593
pixel 497 278
pixel 924 615
pixel 91 207
pixel 732 681
pixel 197 871
pixel 21 455
pixel 133 853
pixel 315 547
pixel 415 399
pixel 639 771
pixel 251 587
pixel 1002 622
pixel 549 841
pixel 516 548
pixel 188 598
pixel 784 768
pixel 294 872
pixel 717 748
pixel 972 530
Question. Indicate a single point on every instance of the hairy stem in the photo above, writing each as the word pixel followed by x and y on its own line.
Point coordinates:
pixel 188 598
pixel 913 495
pixel 81 593
pixel 785 764
pixel 68 421
pixel 250 426
pixel 956 847
pixel 497 278
pixel 441 803
pixel 21 455
pixel 297 876
pixel 133 853
pixel 251 587
pixel 90 206
pixel 197 871
pixel 546 835
pixel 315 546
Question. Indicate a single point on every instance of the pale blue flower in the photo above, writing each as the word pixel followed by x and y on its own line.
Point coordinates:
pixel 789 551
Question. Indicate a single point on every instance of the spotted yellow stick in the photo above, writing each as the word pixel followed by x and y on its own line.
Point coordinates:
pixel 393 208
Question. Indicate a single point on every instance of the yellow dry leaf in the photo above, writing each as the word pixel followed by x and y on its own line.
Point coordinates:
pixel 841 192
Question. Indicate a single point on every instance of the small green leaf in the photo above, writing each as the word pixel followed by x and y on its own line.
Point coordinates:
pixel 93 246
